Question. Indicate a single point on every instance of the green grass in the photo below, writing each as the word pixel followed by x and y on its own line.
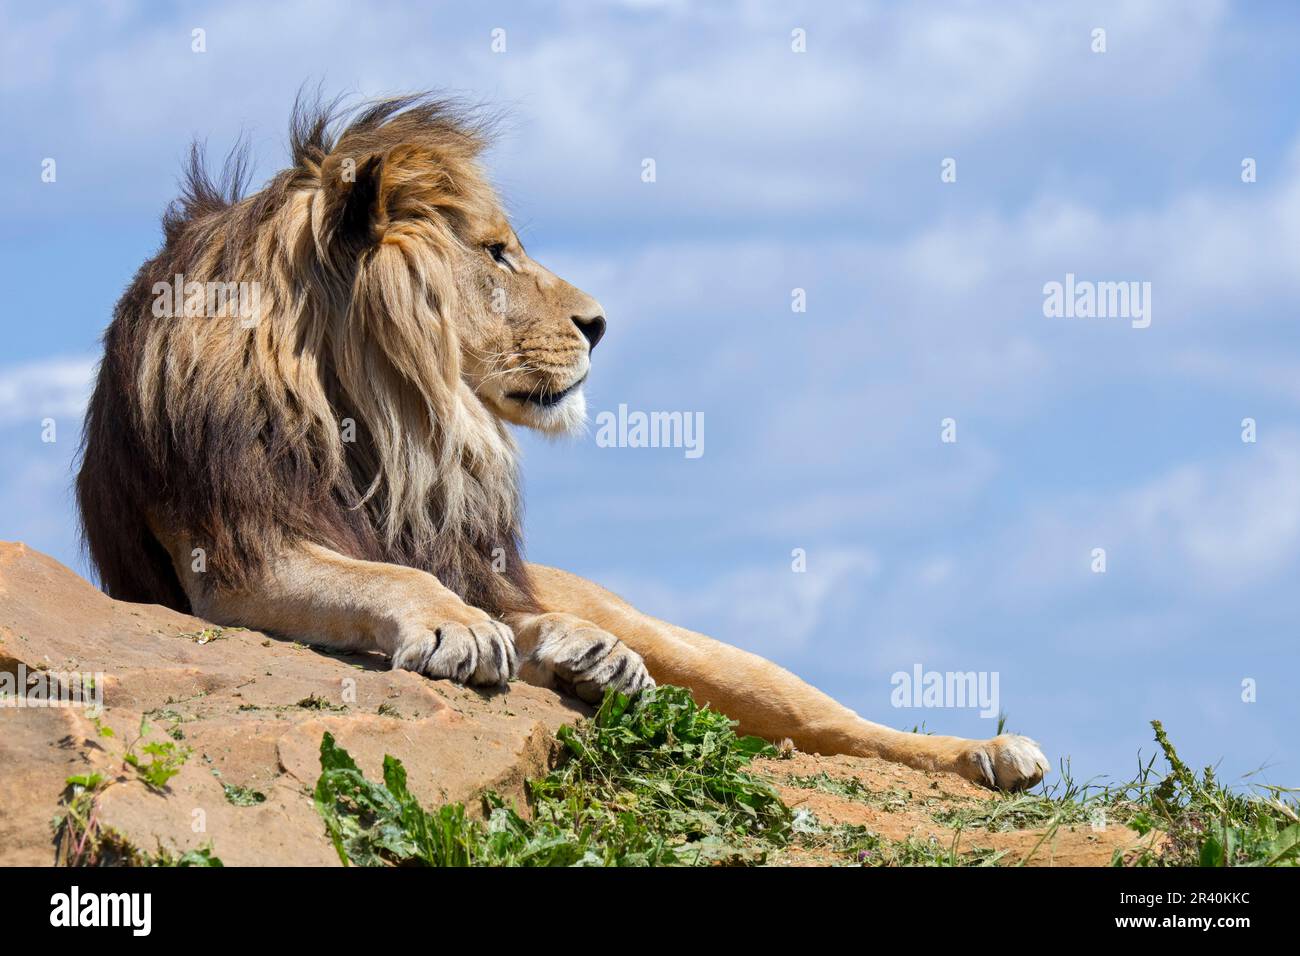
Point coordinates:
pixel 1208 824
pixel 661 781
pixel 851 788
pixel 80 839
pixel 857 844
pixel 656 781
pixel 242 796
pixel 1193 820
pixel 314 701
pixel 1027 811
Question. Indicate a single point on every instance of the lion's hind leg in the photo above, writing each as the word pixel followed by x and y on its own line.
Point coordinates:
pixel 770 702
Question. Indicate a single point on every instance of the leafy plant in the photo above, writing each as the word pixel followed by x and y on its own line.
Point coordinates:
pixel 243 796
pixel 316 702
pixel 81 839
pixel 77 839
pixel 1207 824
pixel 203 856
pixel 655 781
pixel 207 635
pixel 165 759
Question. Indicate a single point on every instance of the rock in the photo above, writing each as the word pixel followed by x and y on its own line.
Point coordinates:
pixel 252 710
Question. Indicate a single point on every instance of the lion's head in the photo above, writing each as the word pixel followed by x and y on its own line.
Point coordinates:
pixel 398 324
pixel 401 191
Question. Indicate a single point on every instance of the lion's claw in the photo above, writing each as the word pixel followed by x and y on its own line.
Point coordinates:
pixel 1005 762
pixel 583 660
pixel 481 654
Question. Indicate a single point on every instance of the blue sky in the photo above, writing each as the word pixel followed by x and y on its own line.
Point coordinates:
pixel 819 170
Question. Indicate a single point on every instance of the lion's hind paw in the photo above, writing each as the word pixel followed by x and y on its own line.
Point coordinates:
pixel 1006 762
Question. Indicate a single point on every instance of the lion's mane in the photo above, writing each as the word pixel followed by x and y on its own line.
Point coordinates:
pixel 235 434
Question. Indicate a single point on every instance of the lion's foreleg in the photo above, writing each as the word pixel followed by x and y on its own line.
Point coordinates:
pixel 770 702
pixel 319 596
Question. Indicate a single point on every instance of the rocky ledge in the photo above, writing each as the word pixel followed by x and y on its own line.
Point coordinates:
pixel 236 715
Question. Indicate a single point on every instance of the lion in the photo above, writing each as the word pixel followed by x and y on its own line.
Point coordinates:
pixel 330 459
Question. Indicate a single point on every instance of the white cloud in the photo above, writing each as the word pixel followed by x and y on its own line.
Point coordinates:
pixel 57 388
pixel 771 610
pixel 749 128
pixel 1213 529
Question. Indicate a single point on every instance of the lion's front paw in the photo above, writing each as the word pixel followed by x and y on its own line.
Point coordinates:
pixel 481 653
pixel 1006 762
pixel 581 659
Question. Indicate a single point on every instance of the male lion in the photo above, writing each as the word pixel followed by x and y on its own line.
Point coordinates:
pixel 337 468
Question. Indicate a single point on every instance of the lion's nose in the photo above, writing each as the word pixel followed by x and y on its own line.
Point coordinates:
pixel 592 328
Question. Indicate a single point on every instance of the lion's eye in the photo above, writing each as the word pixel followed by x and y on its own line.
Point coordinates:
pixel 497 250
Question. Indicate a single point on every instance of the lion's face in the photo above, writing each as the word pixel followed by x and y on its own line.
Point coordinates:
pixel 438 281
pixel 527 335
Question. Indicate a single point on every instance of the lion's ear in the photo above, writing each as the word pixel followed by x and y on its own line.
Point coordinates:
pixel 354 217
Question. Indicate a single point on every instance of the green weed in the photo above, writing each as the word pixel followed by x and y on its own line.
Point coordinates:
pixel 655 781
